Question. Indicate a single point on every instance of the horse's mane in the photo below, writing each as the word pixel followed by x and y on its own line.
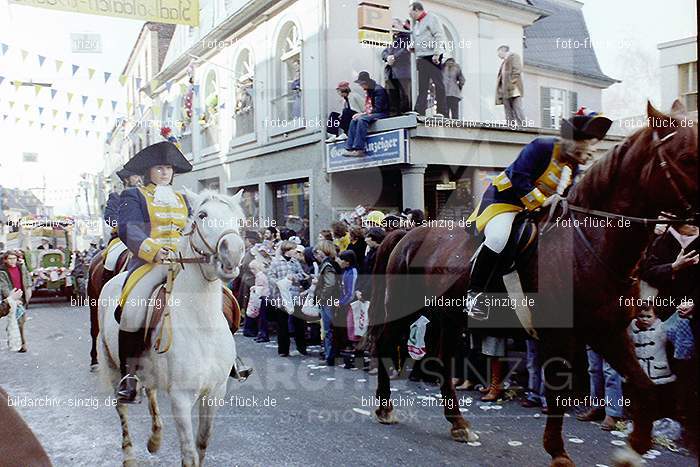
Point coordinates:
pixel 596 183
pixel 209 195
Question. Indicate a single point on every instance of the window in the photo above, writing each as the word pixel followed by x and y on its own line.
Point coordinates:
pixel 291 206
pixel 244 94
pixel 556 104
pixel 688 85
pixel 209 118
pixel 287 101
pixel 210 184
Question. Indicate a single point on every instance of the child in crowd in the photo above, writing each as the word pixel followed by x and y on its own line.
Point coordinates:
pixel 650 337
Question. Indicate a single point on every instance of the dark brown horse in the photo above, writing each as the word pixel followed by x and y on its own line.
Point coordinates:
pixel 576 286
pixel 94 288
pixel 19 447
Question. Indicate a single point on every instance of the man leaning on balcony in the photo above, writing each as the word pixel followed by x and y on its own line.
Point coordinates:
pixel 376 107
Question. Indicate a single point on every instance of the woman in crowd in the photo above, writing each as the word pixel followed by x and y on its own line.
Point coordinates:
pixel 327 293
pixel 341 238
pixel 16 283
pixel 358 244
pixel 286 266
pixel 347 260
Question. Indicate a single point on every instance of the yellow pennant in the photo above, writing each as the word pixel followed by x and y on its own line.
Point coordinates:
pixel 37 89
pixel 91 73
pixel 54 112
pixel 154 84
pixel 59 64
pixel 76 131
pixel 24 54
pixel 70 96
pixel 80 118
pixel 122 80
pixel 26 107
pixel 17 84
pixel 12 104
pixel 99 102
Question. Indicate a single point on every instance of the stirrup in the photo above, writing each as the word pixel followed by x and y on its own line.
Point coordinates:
pixel 126 394
pixel 242 374
pixel 476 307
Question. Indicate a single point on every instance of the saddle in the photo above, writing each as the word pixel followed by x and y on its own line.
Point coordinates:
pixel 158 332
pixel 522 243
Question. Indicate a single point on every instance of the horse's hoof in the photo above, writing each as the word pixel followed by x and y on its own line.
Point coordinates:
pixel 463 435
pixel 626 457
pixel 562 461
pixel 385 417
pixel 130 463
pixel 153 445
pixel 94 367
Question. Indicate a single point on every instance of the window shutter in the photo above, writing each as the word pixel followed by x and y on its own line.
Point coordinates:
pixel 545 103
pixel 573 102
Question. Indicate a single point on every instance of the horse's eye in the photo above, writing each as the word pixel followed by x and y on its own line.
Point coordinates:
pixel 202 215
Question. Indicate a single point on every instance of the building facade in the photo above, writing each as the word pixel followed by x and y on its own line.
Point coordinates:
pixel 679 73
pixel 248 91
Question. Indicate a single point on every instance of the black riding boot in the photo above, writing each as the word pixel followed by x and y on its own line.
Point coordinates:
pixel 240 371
pixel 106 276
pixel 484 268
pixel 130 349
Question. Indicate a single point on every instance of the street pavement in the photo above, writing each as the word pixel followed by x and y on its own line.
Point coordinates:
pixel 292 411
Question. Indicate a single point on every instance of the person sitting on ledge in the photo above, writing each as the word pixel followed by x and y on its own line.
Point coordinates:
pixel 376 107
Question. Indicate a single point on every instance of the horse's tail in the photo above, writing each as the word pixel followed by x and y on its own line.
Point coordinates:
pixel 377 311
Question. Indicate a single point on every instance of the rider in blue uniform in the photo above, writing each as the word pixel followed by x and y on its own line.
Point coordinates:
pixel 111 215
pixel 544 167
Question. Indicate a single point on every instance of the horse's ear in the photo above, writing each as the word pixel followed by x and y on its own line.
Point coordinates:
pixel 658 120
pixel 678 110
pixel 191 196
pixel 237 197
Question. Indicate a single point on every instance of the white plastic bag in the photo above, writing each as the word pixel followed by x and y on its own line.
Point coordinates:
pixel 253 308
pixel 14 339
pixel 360 317
pixel 286 296
pixel 416 340
pixel 310 307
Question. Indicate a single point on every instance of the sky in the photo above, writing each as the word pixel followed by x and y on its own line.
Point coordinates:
pixel 628 29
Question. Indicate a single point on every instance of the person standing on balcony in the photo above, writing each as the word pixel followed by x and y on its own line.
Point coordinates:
pixel 509 86
pixel 376 107
pixel 428 44
pixel 397 72
pixel 454 82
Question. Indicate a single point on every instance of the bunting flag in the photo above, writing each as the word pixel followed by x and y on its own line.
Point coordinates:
pixel 41 110
pixel 41 60
pixel 26 107
pixel 84 98
pixel 53 93
pixel 99 102
pixel 129 106
pixel 31 122
pixel 24 54
pixel 4 48
pixel 168 85
pixel 106 120
pixel 93 117
pixel 107 75
pixel 37 89
pixel 65 130
pixel 68 115
pixel 54 112
pixel 59 64
pixel 70 96
pixel 154 85
pixel 16 120
pixel 87 132
pixel 122 80
pixel 17 84
pixel 156 111
pixel 195 88
pixel 138 83
pixel 75 69
pixel 80 118
pixel 114 105
pixel 141 107
pixel 91 73
pixel 12 103
pixel 2 78
pixel 77 130
pixel 41 126
pixel 53 127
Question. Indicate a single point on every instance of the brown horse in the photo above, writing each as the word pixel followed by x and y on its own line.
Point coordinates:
pixel 576 288
pixel 19 447
pixel 94 288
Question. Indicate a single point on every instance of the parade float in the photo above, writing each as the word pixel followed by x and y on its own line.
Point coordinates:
pixel 48 248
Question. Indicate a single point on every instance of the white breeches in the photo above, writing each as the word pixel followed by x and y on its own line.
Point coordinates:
pixel 497 231
pixel 113 256
pixel 136 304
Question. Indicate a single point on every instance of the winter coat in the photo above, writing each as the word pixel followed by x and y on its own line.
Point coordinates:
pixel 453 78
pixel 401 69
pixel 509 83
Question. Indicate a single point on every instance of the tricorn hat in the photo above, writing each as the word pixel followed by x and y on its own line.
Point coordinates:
pixel 163 153
pixel 585 125
pixel 123 174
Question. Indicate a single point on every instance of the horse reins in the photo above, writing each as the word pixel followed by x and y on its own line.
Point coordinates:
pixel 666 164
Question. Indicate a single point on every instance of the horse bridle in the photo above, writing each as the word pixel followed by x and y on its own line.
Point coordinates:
pixel 203 257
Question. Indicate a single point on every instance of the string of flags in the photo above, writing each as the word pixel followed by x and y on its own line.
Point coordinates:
pixel 52 127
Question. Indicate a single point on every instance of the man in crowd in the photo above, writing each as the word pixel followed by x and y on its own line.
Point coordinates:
pixel 428 45
pixel 509 86
pixel 376 107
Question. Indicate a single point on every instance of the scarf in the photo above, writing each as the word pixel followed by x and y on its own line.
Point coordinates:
pixel 164 195
pixel 684 240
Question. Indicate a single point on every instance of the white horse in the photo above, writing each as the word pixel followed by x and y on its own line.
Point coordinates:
pixel 196 368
